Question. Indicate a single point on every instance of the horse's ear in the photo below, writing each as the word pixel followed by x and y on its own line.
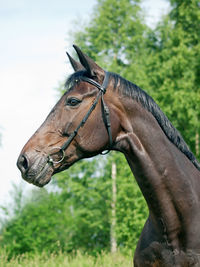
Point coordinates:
pixel 75 64
pixel 92 68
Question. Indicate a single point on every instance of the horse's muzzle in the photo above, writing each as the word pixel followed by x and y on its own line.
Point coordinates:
pixel 36 170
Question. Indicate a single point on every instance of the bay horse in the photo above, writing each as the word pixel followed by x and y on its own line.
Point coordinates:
pixel 102 111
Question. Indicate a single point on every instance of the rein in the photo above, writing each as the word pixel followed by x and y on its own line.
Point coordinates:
pixel 106 118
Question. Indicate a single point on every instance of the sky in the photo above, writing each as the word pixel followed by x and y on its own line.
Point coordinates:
pixel 34 38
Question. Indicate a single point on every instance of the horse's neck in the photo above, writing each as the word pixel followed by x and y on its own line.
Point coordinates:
pixel 158 168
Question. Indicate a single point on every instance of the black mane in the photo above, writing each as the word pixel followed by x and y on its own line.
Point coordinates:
pixel 131 90
pixel 74 78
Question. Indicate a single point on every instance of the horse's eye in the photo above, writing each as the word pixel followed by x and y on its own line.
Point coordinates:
pixel 73 101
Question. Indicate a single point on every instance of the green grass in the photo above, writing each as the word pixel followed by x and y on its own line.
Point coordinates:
pixel 61 260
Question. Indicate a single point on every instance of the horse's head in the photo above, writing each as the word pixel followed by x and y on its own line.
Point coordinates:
pixel 77 127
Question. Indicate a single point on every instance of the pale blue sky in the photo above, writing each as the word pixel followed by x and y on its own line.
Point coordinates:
pixel 33 41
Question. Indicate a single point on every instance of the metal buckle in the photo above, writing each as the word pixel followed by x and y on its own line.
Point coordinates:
pixel 104 152
pixel 50 159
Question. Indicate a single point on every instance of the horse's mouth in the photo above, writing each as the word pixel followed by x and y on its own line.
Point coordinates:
pixel 40 170
pixel 44 177
pixel 40 178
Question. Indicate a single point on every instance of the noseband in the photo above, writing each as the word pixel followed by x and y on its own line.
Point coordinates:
pixel 106 117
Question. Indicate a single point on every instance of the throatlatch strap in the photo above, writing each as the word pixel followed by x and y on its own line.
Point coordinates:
pixel 107 120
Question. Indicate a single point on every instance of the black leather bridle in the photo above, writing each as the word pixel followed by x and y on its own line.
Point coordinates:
pixel 106 118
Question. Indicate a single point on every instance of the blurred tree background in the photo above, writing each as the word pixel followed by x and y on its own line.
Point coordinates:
pixel 77 213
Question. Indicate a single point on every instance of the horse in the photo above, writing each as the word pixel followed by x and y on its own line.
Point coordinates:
pixel 101 111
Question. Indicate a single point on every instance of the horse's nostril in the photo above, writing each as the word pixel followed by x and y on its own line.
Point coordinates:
pixel 22 164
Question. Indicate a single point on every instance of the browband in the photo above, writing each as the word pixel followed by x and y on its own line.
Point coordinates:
pixel 102 87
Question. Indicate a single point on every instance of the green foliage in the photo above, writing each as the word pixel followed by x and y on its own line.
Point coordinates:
pixel 131 210
pixel 74 217
pixel 36 227
pixel 13 209
pixel 62 259
pixel 175 69
pixel 92 190
pixel 114 36
pixel 87 193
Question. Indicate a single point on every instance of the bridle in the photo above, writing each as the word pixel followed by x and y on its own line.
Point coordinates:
pixel 106 118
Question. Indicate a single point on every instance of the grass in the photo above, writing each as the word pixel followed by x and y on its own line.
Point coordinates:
pixel 61 260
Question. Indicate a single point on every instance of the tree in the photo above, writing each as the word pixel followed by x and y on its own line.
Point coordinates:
pixel 88 193
pixel 131 209
pixel 72 217
pixel 175 70
pixel 87 188
pixel 40 225
pixel 114 37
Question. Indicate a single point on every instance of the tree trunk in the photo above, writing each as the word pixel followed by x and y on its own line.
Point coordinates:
pixel 197 144
pixel 113 208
